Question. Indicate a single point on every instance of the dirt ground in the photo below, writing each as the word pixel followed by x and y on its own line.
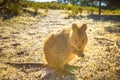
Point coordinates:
pixel 22 37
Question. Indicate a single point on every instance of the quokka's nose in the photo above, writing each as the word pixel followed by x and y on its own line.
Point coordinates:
pixel 81 55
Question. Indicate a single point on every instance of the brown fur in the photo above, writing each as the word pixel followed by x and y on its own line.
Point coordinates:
pixel 61 47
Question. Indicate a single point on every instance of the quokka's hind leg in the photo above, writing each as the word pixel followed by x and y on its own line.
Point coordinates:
pixel 57 69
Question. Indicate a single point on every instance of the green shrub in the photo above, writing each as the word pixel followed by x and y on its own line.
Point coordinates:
pixel 91 11
pixel 117 12
pixel 75 11
pixel 13 9
pixel 46 9
pixel 36 7
pixel 69 7
pixel 80 10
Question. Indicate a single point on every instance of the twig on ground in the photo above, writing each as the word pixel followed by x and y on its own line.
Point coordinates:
pixel 104 38
pixel 25 63
pixel 116 46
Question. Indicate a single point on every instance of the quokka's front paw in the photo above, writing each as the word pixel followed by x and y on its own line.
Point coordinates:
pixel 81 55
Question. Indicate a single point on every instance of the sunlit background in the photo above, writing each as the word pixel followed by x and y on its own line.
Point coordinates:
pixel 25 24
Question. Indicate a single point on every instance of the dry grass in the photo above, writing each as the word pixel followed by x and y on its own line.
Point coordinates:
pixel 21 40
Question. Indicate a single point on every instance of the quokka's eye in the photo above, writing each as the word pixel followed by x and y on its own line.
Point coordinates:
pixel 84 41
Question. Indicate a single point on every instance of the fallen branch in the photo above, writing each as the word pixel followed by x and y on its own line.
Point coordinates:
pixel 104 38
pixel 25 64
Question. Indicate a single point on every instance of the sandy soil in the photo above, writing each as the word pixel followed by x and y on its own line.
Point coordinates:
pixel 21 40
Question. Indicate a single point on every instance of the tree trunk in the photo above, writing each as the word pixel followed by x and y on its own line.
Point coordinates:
pixel 99 9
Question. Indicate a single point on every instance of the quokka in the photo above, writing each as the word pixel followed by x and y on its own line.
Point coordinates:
pixel 61 47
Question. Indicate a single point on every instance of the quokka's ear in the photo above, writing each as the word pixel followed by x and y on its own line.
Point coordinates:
pixel 84 27
pixel 74 27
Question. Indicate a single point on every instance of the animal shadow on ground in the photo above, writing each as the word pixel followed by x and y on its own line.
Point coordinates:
pixel 113 18
pixel 47 73
pixel 113 29
pixel 6 17
pixel 116 30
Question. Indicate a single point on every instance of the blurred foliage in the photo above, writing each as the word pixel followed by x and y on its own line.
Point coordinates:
pixel 109 3
pixel 52 5
pixel 68 7
pixel 80 10
pixel 74 11
pixel 115 12
pixel 11 7
pixel 46 9
pixel 15 7
pixel 36 7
